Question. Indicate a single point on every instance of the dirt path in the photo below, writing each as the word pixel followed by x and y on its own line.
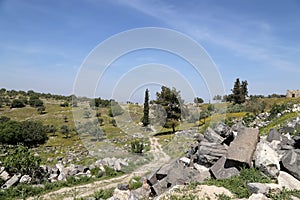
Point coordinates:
pixel 69 193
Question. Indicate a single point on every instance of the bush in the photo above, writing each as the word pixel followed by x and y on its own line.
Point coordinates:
pixel 137 146
pixel 19 160
pixel 104 194
pixel 17 103
pixel 135 183
pixel 34 101
pixel 65 104
pixel 276 109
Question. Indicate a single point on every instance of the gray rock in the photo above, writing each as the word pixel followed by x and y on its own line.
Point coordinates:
pixel 151 178
pixel 223 169
pixel 12 181
pixel 25 179
pixel 211 136
pixel 274 135
pixel 267 160
pixel 291 162
pixel 222 129
pixel 91 198
pixel 185 160
pixel 243 146
pixel 123 186
pixel 163 171
pixel 117 165
pixel 209 153
pixel 287 129
pixel 4 175
pixel 160 187
pixel 62 177
pixel 288 181
pixel 176 175
pixel 1 168
pixel 258 188
pixel 203 171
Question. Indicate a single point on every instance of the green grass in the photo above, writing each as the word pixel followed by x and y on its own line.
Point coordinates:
pixel 275 123
pixel 238 184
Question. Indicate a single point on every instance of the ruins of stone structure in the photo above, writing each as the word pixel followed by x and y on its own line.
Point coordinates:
pixel 293 93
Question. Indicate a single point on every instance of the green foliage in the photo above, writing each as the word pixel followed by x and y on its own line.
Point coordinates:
pixel 238 184
pixel 104 194
pixel 284 194
pixel 248 118
pixel 145 119
pixel 28 133
pixel 223 197
pixel 198 100
pixel 137 146
pixel 172 103
pixel 276 109
pixel 41 109
pixel 255 106
pixel 65 104
pixel 235 108
pixel 34 101
pixel 64 129
pixel 17 103
pixel 110 172
pixel 97 172
pixel 19 160
pixel 239 91
pixel 135 183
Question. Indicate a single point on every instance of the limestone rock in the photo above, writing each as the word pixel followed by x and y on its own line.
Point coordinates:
pixel 243 146
pixel 291 162
pixel 223 169
pixel 12 181
pixel 267 160
pixel 288 181
pixel 211 136
pixel 25 179
pixel 258 197
pixel 258 188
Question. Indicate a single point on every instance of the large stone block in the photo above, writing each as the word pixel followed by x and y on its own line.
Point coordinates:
pixel 242 148
pixel 223 169
pixel 291 162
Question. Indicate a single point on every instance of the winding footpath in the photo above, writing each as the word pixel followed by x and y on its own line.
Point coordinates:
pixel 69 193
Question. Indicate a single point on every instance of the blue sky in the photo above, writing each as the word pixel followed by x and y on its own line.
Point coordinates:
pixel 43 43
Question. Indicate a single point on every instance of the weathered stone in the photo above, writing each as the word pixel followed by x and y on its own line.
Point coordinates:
pixel 121 194
pixel 160 187
pixel 123 186
pixel 288 181
pixel 209 153
pixel 266 159
pixel 1 168
pixel 258 197
pixel 223 169
pixel 258 188
pixel 151 178
pixel 222 129
pixel 163 171
pixel 176 175
pixel 287 129
pixel 243 146
pixel 25 179
pixel 274 135
pixel 62 177
pixel 291 162
pixel 5 175
pixel 211 136
pixel 185 160
pixel 202 171
pixel 297 141
pixel 12 181
pixel 117 165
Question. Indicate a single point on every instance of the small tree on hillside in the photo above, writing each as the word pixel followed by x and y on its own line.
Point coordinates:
pixel 64 129
pixel 171 101
pixel 145 119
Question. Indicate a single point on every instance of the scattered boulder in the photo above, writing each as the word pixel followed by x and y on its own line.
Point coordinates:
pixel 222 129
pixel 291 162
pixel 25 179
pixel 274 135
pixel 288 181
pixel 223 169
pixel 211 136
pixel 12 181
pixel 209 153
pixel 4 175
pixel 242 148
pixel 266 159
pixel 258 188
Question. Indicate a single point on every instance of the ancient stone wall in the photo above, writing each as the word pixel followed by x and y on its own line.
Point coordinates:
pixel 293 93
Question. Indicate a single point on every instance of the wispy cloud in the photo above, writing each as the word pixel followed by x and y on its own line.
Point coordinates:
pixel 251 39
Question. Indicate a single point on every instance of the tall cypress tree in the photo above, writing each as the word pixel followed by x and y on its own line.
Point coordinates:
pixel 145 119
pixel 239 91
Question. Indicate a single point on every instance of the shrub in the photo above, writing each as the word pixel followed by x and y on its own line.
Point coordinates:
pixel 34 101
pixel 19 160
pixel 17 103
pixel 104 194
pixel 135 183
pixel 137 146
pixel 276 109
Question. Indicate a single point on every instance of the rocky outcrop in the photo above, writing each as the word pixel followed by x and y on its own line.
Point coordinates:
pixel 291 162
